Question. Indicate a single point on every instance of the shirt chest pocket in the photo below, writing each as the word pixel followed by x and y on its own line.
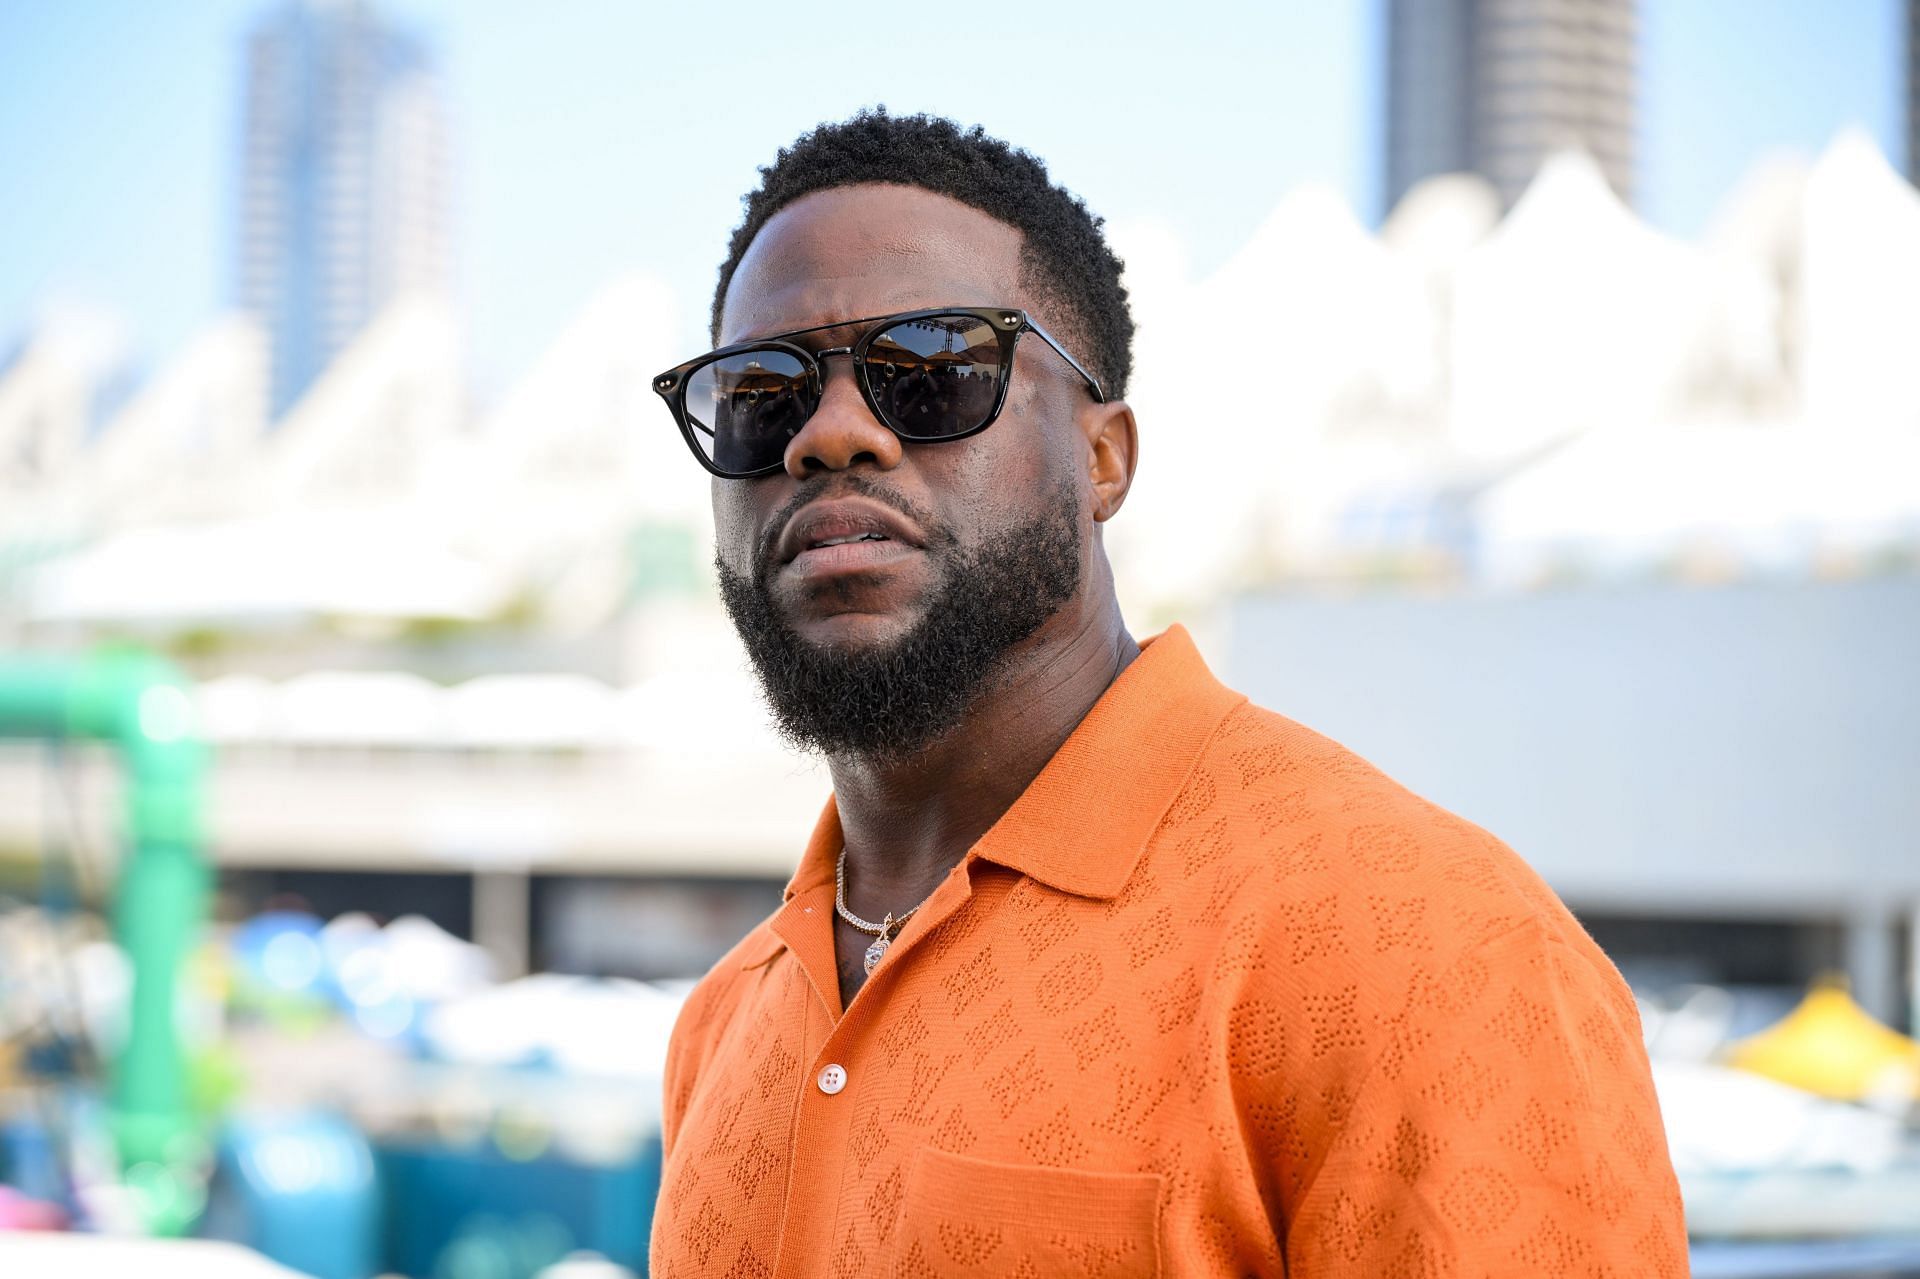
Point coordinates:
pixel 974 1219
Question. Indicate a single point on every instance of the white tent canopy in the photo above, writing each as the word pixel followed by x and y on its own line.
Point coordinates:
pixel 1774 495
pixel 373 565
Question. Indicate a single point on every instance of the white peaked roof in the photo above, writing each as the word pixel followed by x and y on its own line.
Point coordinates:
pixel 369 429
pixel 581 444
pixel 47 393
pixel 1317 303
pixel 1861 290
pixel 172 451
pixel 1563 377
pixel 1754 245
pixel 1822 265
pixel 627 328
pixel 1571 315
pixel 1441 217
pixel 1630 499
pixel 553 483
pixel 1760 218
pixel 1322 300
pixel 1312 314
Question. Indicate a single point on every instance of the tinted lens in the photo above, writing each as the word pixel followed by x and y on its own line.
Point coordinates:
pixel 937 376
pixel 745 407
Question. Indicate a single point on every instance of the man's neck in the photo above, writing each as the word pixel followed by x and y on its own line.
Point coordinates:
pixel 907 822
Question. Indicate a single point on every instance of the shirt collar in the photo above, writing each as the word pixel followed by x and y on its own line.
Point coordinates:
pixel 1084 822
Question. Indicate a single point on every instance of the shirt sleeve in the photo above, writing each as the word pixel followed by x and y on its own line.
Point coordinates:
pixel 1504 1124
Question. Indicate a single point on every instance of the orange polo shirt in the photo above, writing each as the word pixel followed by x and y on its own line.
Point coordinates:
pixel 1214 997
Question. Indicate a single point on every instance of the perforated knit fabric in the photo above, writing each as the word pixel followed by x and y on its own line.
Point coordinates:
pixel 1214 998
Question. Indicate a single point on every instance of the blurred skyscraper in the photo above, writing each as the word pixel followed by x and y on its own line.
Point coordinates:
pixel 1913 90
pixel 344 194
pixel 1493 86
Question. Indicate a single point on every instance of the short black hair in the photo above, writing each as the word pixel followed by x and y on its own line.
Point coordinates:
pixel 1064 257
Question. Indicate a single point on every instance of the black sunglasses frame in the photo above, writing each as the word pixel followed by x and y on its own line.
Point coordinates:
pixel 1008 324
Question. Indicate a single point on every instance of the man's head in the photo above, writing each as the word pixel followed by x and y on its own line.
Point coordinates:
pixel 1063 256
pixel 878 647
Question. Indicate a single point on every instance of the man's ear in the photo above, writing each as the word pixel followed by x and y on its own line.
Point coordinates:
pixel 1113 450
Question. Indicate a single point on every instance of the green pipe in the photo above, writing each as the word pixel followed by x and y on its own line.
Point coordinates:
pixel 141 705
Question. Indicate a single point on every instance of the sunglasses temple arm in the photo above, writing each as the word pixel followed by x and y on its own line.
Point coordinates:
pixel 1092 381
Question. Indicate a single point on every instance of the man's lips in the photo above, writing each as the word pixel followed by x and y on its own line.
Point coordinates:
pixel 846 533
pixel 847 557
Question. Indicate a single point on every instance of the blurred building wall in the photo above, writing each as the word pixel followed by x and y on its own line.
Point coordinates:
pixel 1739 751
pixel 1494 86
pixel 1913 89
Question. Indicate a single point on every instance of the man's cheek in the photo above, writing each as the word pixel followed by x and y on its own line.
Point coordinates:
pixel 732 531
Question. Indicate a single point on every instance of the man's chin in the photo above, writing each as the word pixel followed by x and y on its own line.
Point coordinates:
pixel 884 674
pixel 854 635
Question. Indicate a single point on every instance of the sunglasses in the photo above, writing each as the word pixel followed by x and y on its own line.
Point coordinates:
pixel 928 376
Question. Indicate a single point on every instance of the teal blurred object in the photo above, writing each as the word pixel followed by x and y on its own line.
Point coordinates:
pixel 476 1213
pixel 140 705
pixel 300 1190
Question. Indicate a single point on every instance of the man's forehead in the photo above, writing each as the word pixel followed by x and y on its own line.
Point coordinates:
pixel 869 250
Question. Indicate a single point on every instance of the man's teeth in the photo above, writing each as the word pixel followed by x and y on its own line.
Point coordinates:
pixel 851 537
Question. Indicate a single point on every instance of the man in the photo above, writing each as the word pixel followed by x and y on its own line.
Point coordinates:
pixel 1090 968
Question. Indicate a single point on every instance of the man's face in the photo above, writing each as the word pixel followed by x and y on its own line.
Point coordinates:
pixel 877 646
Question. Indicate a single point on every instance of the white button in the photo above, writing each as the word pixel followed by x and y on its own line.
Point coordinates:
pixel 832 1079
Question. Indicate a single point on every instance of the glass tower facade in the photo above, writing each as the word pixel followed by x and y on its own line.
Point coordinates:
pixel 1913 91
pixel 1494 86
pixel 344 186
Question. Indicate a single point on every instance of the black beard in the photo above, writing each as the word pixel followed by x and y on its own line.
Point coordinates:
pixel 891 703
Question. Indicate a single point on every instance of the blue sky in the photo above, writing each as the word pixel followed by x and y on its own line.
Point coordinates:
pixel 593 138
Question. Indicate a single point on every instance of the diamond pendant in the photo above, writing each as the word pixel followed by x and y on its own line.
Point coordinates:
pixel 876 952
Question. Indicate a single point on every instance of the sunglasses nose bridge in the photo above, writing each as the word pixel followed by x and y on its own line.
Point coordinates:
pixel 819 373
pixel 823 375
pixel 842 428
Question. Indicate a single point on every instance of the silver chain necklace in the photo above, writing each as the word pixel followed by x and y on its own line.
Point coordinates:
pixel 882 931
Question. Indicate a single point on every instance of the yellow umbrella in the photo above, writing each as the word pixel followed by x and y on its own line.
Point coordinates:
pixel 1831 1046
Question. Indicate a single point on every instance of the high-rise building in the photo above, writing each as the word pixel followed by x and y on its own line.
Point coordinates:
pixel 1913 90
pixel 1493 86
pixel 344 192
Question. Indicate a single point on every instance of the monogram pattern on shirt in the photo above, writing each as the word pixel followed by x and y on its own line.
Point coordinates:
pixel 1308 974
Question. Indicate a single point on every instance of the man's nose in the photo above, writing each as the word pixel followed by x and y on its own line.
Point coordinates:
pixel 842 432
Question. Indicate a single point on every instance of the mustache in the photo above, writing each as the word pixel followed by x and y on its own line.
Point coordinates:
pixel 839 484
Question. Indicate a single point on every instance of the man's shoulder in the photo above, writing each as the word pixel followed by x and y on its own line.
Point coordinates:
pixel 1328 877
pixel 1311 821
